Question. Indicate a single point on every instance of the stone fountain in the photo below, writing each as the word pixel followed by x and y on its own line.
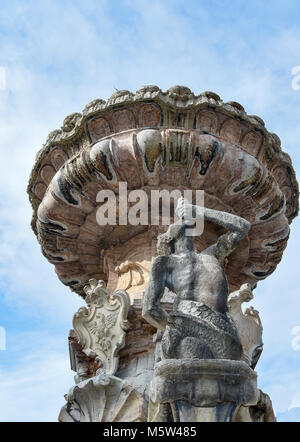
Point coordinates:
pixel 154 141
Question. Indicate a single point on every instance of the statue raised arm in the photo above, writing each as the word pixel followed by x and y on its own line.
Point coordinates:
pixel 236 227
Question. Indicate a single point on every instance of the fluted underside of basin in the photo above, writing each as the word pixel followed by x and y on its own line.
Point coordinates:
pixel 154 140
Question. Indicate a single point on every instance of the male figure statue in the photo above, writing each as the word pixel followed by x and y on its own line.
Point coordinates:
pixel 199 326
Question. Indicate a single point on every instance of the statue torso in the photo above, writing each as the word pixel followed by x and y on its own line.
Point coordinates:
pixel 198 277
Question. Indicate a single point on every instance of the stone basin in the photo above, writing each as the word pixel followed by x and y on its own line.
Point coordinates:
pixel 159 140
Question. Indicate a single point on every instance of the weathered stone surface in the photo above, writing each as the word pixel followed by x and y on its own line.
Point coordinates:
pixel 248 324
pixel 260 412
pixel 203 382
pixel 159 140
pixel 263 410
pixel 84 366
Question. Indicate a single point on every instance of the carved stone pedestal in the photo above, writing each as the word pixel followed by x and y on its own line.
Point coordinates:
pixel 112 351
pixel 199 390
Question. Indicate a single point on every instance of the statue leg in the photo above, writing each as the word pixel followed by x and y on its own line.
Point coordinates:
pixel 191 348
pixel 170 342
pixel 177 346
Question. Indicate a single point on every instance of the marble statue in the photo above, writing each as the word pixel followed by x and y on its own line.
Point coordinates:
pixel 199 326
pixel 201 375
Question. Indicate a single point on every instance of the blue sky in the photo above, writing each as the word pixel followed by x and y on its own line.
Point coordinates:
pixel 58 56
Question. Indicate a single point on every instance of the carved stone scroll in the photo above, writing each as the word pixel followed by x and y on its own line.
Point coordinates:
pixel 101 327
pixel 248 324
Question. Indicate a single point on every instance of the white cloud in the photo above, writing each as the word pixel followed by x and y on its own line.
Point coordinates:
pixel 34 390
